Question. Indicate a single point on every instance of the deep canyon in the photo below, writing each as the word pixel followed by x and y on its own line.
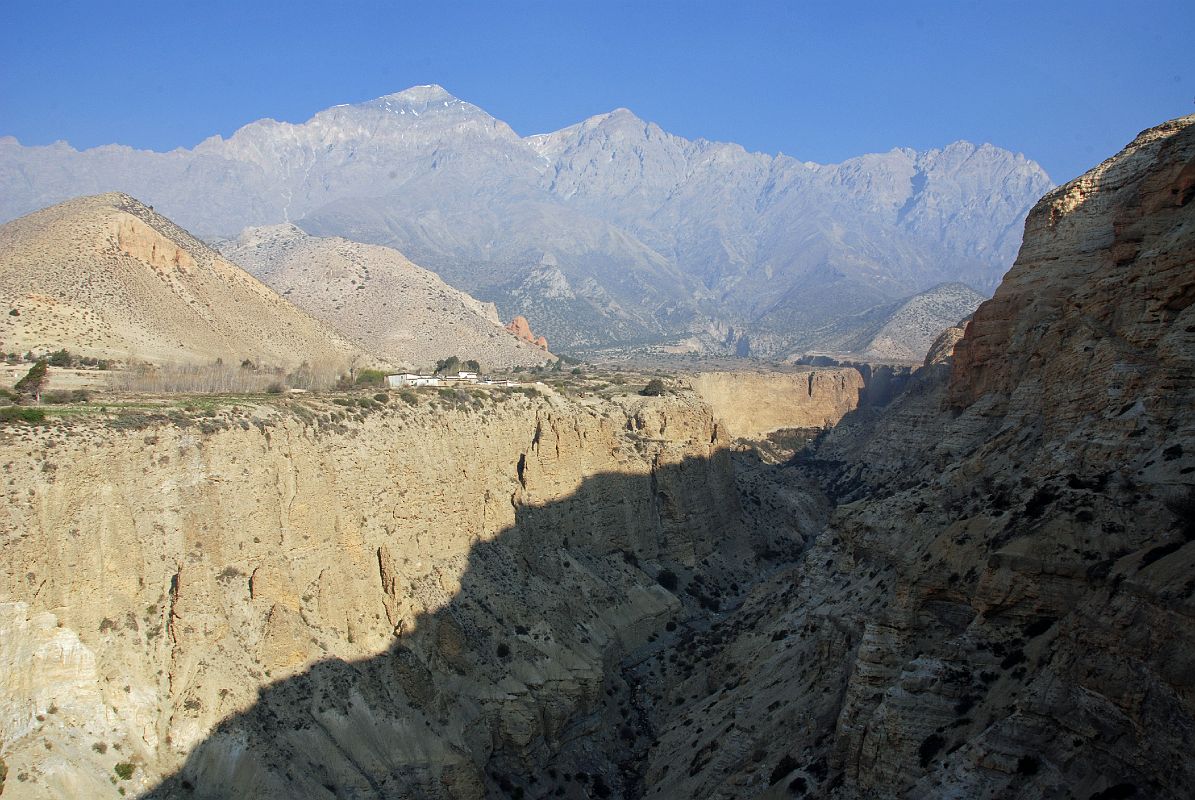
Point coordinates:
pixel 979 588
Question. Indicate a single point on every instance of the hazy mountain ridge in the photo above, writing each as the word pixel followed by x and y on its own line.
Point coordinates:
pixel 655 234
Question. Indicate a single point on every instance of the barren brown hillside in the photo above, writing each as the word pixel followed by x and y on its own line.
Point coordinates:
pixel 379 299
pixel 106 276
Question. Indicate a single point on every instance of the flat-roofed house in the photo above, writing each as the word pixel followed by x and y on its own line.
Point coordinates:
pixel 411 379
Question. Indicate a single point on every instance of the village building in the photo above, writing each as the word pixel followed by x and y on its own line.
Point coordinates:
pixel 411 379
pixel 405 379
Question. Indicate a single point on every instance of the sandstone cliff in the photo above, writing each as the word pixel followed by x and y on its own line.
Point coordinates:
pixel 982 590
pixel 522 331
pixel 284 585
pixel 1001 605
pixel 752 404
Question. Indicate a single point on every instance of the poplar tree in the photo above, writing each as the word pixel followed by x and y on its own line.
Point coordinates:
pixel 34 381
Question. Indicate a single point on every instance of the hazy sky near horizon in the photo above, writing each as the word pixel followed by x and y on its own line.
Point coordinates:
pixel 1067 83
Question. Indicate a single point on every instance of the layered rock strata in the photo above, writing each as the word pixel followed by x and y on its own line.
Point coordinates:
pixel 291 600
pixel 990 595
pixel 754 404
pixel 1001 605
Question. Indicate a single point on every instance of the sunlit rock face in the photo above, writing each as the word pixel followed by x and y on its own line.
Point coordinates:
pixel 754 404
pixel 406 602
pixel 980 588
pixel 108 277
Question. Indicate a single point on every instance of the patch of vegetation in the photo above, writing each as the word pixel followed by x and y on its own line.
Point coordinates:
pixel 63 397
pixel 34 381
pixel 667 579
pixel 447 365
pixel 654 388
pixel 136 422
pixel 61 358
pixel 21 414
pixel 370 377
pixel 124 770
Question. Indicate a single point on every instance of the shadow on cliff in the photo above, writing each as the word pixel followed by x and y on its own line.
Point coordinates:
pixel 517 685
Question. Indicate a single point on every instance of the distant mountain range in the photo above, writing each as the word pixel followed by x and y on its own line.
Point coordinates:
pixel 608 232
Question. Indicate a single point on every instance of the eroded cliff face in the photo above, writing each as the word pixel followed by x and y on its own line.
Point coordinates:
pixel 1002 603
pixel 754 404
pixel 278 602
pixel 981 590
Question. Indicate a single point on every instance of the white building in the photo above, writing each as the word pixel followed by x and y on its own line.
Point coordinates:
pixel 411 379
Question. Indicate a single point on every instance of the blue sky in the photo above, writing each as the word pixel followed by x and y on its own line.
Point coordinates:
pixel 1066 83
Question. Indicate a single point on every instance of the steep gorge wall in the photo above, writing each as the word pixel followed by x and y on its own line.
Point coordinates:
pixel 1002 603
pixel 753 404
pixel 559 598
pixel 155 581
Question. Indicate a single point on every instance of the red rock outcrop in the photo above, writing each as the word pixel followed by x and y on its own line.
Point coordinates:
pixel 522 329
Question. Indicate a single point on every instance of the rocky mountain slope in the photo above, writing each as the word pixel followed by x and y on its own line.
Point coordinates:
pixel 982 589
pixel 378 298
pixel 107 276
pixel 899 331
pixel 1002 603
pixel 609 231
pixel 912 327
